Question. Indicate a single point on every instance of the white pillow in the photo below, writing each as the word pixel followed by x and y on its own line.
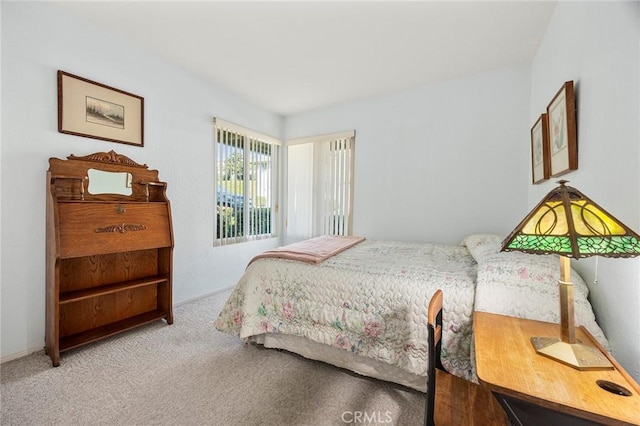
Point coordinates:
pixel 482 245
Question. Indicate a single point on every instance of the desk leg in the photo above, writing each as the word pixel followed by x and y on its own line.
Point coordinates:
pixel 522 413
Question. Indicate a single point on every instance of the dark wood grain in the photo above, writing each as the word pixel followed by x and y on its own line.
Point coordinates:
pixel 459 402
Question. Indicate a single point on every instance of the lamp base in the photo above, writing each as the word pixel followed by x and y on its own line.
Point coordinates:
pixel 576 355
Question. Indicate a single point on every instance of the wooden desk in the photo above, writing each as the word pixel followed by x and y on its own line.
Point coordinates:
pixel 536 390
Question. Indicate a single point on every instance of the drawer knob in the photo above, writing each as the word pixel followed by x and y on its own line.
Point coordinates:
pixel 120 209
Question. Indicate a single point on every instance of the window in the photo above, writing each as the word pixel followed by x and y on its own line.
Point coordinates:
pixel 320 185
pixel 246 183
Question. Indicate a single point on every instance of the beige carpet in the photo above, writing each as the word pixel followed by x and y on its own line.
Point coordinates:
pixel 190 374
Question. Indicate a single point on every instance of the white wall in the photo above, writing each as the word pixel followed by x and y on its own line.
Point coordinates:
pixel 597 45
pixel 436 163
pixel 37 40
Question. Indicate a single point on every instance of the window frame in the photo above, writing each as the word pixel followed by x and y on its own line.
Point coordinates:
pixel 249 137
pixel 319 225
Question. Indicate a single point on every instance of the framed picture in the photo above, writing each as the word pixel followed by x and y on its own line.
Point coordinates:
pixel 540 150
pixel 94 110
pixel 563 148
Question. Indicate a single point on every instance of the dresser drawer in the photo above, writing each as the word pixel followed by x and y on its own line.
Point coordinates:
pixel 100 228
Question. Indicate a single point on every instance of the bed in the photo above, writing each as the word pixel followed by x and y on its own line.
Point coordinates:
pixel 364 308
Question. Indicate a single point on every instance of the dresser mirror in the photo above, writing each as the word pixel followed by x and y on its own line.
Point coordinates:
pixel 102 182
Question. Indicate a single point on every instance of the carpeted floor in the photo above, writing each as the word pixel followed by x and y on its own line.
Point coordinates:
pixel 190 374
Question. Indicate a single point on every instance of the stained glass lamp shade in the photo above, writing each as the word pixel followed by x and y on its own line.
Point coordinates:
pixel 568 223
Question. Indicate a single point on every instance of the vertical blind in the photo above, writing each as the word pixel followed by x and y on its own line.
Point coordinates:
pixel 336 192
pixel 320 185
pixel 246 184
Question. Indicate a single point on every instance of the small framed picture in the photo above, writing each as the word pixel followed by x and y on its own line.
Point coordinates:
pixel 94 110
pixel 540 150
pixel 563 148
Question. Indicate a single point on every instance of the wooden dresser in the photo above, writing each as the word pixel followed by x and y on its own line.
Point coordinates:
pixel 109 249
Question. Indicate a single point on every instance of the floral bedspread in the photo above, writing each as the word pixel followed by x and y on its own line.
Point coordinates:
pixel 371 300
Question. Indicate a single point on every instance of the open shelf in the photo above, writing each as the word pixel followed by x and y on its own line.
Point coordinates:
pixel 75 296
pixel 98 333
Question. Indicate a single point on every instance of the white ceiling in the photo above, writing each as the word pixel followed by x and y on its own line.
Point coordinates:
pixel 292 56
